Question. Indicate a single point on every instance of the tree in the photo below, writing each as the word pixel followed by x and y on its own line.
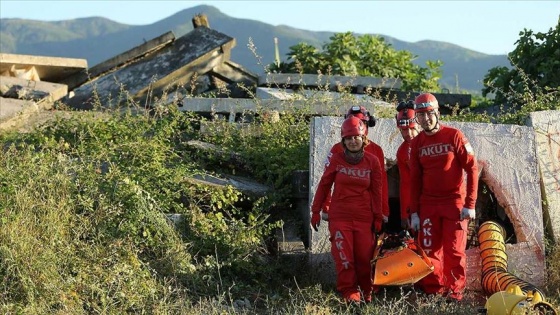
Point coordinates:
pixel 536 68
pixel 366 55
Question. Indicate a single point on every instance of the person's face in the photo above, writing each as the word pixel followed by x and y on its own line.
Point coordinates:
pixel 427 120
pixel 353 143
pixel 408 133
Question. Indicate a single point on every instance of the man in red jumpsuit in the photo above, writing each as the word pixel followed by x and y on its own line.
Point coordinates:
pixel 363 114
pixel 355 210
pixel 441 203
pixel 406 122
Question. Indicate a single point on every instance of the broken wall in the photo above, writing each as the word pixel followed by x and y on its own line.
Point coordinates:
pixel 547 134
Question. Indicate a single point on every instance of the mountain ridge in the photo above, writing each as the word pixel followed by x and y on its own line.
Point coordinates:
pixel 97 39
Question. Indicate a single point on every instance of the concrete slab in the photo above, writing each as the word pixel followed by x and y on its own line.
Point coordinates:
pixel 13 112
pixel 314 107
pixel 330 81
pixel 508 156
pixel 40 91
pixel 20 98
pixel 172 67
pixel 134 53
pixel 318 96
pixel 547 136
pixel 52 69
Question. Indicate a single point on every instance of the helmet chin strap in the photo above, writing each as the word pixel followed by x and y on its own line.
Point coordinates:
pixel 436 126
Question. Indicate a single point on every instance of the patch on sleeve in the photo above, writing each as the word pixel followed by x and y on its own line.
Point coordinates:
pixel 328 159
pixel 469 148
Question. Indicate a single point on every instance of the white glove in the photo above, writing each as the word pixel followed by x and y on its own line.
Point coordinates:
pixel 324 216
pixel 385 219
pixel 468 214
pixel 415 221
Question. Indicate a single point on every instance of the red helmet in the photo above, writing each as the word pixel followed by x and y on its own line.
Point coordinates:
pixel 425 103
pixel 362 113
pixel 353 126
pixel 406 119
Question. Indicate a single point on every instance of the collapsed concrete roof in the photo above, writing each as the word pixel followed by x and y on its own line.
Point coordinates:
pixel 169 68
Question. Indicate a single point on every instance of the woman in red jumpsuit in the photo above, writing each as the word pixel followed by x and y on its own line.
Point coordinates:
pixel 355 210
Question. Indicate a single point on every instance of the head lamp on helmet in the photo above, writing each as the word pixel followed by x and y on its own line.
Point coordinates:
pixel 425 102
pixel 363 114
pixel 406 119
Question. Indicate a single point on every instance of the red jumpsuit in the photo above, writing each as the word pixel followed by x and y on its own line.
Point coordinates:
pixel 404 174
pixel 377 151
pixel 355 206
pixel 437 163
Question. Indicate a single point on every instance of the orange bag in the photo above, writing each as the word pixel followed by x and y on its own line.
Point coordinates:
pixel 398 260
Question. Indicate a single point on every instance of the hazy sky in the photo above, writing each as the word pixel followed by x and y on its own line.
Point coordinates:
pixel 490 27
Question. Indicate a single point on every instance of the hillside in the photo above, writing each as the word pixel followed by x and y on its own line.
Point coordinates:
pixel 97 39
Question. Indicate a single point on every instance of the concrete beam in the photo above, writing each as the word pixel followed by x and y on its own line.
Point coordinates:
pixel 52 69
pixel 320 96
pixel 547 137
pixel 232 106
pixel 447 101
pixel 332 81
pixel 511 174
pixel 231 72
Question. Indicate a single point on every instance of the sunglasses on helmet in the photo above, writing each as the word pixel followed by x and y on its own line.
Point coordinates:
pixel 408 105
pixel 423 105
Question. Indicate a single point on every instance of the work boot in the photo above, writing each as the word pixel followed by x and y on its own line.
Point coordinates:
pixel 352 298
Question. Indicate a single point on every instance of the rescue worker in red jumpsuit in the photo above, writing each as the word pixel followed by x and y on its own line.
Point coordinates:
pixel 406 122
pixel 441 203
pixel 355 210
pixel 373 148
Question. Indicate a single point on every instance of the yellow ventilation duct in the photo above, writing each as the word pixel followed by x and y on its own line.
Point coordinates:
pixel 509 294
